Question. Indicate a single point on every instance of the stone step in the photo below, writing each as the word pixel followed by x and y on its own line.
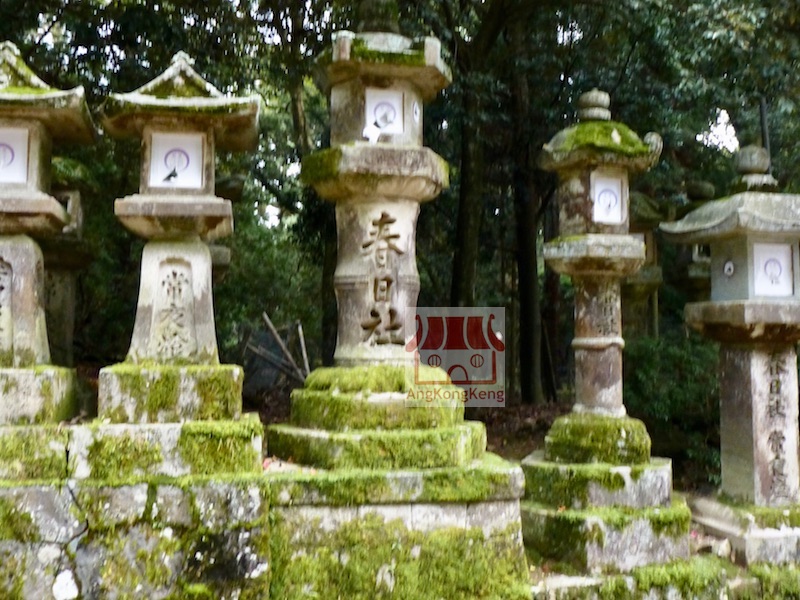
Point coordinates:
pixel 590 438
pixel 582 485
pixel 758 534
pixel 134 393
pixel 336 411
pixel 607 539
pixel 41 394
pixel 488 479
pixel 115 452
pixel 377 449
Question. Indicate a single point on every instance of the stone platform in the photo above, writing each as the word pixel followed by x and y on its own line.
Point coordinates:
pixel 39 394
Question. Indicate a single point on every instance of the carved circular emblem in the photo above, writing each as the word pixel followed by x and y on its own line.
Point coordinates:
pixel 434 360
pixel 6 155
pixel 385 114
pixel 176 160
pixel 476 360
pixel 728 268
pixel 608 200
pixel 773 270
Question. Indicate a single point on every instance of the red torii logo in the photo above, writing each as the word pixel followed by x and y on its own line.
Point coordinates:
pixel 452 343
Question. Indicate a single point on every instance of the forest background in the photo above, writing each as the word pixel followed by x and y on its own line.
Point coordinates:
pixel 697 72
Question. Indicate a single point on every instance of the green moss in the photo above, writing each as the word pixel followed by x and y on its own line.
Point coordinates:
pixel 220 446
pixel 197 591
pixel 323 409
pixel 320 166
pixel 372 449
pixel 33 452
pixel 778 581
pixel 118 457
pixel 565 534
pixel 361 52
pixel 11 584
pixel 155 391
pixel 220 393
pixel 16 525
pixel 586 438
pixel 600 135
pixel 368 559
pixel 491 478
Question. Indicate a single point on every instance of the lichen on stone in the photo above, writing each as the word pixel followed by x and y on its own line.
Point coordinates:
pixel 587 438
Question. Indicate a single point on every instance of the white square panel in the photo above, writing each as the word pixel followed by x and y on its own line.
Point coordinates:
pixel 13 155
pixel 384 110
pixel 176 160
pixel 773 271
pixel 608 197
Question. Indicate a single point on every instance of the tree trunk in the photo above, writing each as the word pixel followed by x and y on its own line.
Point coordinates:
pixel 526 209
pixel 468 227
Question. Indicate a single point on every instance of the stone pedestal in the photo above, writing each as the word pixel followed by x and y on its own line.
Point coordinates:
pixel 594 499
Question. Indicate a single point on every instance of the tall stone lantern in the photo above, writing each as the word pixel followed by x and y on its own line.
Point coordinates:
pixel 372 455
pixel 33 117
pixel 377 172
pixel 182 120
pixel 754 313
pixel 588 452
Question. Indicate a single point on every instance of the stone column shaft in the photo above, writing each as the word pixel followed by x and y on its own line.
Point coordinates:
pixel 759 423
pixel 598 346
pixel 376 279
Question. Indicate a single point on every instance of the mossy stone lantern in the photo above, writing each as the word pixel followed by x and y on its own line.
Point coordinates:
pixel 592 160
pixel 182 120
pixel 378 173
pixel 754 312
pixel 574 486
pixel 33 117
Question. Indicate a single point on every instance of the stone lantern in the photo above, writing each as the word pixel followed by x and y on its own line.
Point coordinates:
pixel 369 440
pixel 33 117
pixel 377 172
pixel 182 120
pixel 597 457
pixel 754 312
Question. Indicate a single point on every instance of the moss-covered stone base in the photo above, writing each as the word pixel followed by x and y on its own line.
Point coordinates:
pixel 118 452
pixel 41 394
pixel 580 485
pixel 488 479
pixel 190 538
pixel 607 539
pixel 588 438
pixel 758 534
pixel 379 552
pixel 377 449
pixel 701 578
pixel 135 393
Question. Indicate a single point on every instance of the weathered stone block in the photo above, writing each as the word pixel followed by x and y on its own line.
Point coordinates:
pixel 41 394
pixel 607 539
pixel 119 451
pixel 130 393
pixel 28 452
pixel 375 449
pixel 335 411
pixel 488 479
pixel 581 485
pixel 414 551
pixel 588 438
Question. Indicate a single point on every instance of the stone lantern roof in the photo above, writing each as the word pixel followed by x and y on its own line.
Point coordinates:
pixel 180 93
pixel 597 140
pixel 23 95
pixel 738 215
pixel 753 211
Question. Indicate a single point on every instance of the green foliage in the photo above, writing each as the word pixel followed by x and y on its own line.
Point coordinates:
pixel 671 384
